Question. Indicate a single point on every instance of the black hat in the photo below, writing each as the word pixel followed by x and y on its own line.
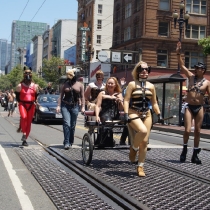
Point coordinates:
pixel 200 65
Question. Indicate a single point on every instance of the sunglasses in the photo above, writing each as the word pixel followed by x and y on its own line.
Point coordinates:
pixel 140 69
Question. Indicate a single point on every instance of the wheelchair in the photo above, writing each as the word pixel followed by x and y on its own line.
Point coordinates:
pixel 99 135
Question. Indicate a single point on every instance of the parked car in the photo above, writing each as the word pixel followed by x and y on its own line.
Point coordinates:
pixel 46 108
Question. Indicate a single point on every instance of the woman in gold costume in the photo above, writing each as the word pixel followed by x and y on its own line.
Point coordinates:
pixel 139 94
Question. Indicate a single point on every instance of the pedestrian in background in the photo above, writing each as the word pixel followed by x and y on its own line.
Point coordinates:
pixel 11 102
pixel 26 95
pixel 68 103
pixel 6 100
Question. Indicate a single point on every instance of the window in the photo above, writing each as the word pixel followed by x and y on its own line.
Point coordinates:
pixel 89 10
pixel 192 58
pixel 163 29
pixel 117 14
pixel 195 32
pixel 136 28
pixel 117 36
pixel 98 39
pixel 99 8
pixel 164 5
pixel 136 5
pixel 99 24
pixel 127 34
pixel 196 6
pixel 162 58
pixel 128 10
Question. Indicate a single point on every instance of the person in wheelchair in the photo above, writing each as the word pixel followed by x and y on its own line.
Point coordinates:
pixel 139 94
pixel 109 102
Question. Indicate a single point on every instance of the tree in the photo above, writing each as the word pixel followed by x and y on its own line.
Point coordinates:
pixel 51 71
pixel 205 43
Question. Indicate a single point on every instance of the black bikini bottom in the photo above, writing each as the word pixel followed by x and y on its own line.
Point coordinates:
pixel 194 109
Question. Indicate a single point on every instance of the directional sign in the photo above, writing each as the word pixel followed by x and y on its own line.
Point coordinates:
pixel 127 57
pixel 116 57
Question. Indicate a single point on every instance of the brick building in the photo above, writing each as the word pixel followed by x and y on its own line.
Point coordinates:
pixel 148 25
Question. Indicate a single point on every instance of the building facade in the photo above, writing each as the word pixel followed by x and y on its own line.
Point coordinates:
pixel 22 33
pixel 64 36
pixel 37 53
pixel 29 55
pixel 148 27
pixel 47 44
pixel 4 53
pixel 70 55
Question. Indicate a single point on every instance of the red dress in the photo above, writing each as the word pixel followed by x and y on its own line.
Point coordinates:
pixel 27 107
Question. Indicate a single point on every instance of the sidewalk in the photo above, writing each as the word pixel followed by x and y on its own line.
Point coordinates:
pixel 205 133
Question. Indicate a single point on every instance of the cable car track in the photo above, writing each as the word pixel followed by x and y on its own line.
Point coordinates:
pixel 124 199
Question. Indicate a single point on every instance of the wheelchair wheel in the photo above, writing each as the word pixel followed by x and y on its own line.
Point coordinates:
pixel 87 149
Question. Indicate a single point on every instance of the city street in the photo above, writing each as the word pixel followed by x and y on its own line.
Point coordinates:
pixel 33 179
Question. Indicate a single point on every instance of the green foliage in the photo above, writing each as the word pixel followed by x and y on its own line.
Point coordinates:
pixel 40 81
pixel 205 43
pixel 50 70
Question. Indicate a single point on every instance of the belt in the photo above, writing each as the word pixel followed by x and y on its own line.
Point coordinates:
pixel 69 103
pixel 142 114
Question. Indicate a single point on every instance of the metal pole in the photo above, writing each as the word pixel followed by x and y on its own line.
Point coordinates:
pixel 180 21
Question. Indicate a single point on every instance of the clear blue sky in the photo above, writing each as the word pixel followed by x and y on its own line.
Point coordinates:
pixel 46 11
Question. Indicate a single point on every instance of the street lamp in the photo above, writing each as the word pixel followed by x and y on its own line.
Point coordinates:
pixel 89 53
pixel 183 18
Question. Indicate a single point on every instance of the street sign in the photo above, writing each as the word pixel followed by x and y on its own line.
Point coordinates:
pixel 116 57
pixel 127 57
pixel 102 56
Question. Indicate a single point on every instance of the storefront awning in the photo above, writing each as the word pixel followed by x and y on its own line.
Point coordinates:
pixel 166 78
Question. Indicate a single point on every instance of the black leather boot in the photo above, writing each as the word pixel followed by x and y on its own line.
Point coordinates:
pixel 184 153
pixel 195 158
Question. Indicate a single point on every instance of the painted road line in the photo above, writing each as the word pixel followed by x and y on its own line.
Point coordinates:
pixel 21 194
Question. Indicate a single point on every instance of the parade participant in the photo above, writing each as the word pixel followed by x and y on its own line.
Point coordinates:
pixel 109 102
pixel 197 88
pixel 137 112
pixel 26 94
pixel 11 100
pixel 68 103
pixel 93 89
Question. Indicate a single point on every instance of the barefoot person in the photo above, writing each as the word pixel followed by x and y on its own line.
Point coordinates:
pixel 197 88
pixel 138 95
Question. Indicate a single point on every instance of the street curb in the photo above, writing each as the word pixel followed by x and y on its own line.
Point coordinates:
pixel 169 130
